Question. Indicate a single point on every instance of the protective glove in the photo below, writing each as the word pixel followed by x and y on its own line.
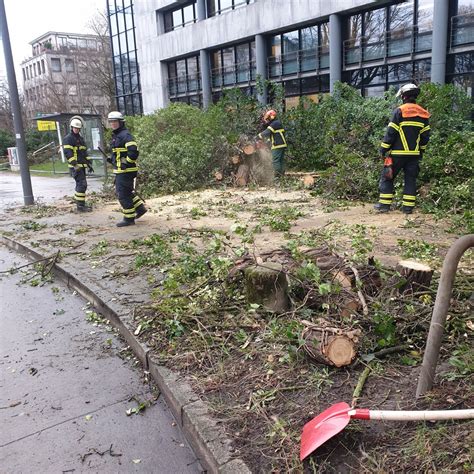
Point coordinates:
pixel 77 167
pixel 388 167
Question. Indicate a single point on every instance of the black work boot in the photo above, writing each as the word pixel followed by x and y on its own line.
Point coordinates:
pixel 141 209
pixel 407 210
pixel 83 208
pixel 125 222
pixel 379 207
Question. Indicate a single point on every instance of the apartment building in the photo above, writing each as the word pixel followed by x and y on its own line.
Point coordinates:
pixel 68 73
pixel 193 50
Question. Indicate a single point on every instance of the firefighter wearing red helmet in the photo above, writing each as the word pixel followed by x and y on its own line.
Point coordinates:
pixel 276 134
pixel 404 143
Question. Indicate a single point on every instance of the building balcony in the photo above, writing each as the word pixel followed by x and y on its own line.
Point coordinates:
pixel 240 73
pixel 406 41
pixel 462 30
pixel 184 85
pixel 300 61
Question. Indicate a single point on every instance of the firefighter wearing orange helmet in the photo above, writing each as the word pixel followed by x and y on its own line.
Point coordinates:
pixel 276 134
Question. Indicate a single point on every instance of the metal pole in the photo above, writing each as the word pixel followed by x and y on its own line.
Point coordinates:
pixel 16 111
pixel 440 311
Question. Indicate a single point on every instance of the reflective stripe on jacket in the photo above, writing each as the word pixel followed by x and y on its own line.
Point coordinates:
pixel 276 133
pixel 408 132
pixel 75 150
pixel 124 151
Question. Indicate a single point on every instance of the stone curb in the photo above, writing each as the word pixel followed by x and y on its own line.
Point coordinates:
pixel 203 433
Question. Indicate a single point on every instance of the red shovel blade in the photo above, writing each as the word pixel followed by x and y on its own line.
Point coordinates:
pixel 323 427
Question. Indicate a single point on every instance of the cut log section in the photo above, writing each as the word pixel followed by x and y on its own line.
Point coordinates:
pixel 235 160
pixel 242 176
pixel 415 276
pixel 248 149
pixel 308 181
pixel 329 345
pixel 218 176
pixel 267 285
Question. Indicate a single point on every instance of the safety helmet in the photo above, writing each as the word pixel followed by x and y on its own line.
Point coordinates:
pixel 76 123
pixel 269 115
pixel 408 90
pixel 115 116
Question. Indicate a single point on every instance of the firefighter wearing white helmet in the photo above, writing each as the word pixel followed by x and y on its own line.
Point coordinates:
pixel 402 148
pixel 75 151
pixel 124 161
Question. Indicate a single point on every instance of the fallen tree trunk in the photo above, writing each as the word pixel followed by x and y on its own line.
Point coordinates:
pixel 242 176
pixel 330 345
pixel 416 276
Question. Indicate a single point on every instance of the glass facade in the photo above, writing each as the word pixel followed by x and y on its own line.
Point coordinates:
pixel 383 46
pixel 233 65
pixel 389 32
pixel 124 51
pixel 297 51
pixel 180 17
pixel 216 7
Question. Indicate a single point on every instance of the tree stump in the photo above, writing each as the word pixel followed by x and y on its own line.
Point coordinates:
pixel 416 276
pixel 248 149
pixel 330 345
pixel 267 285
pixel 242 176
pixel 235 160
pixel 218 176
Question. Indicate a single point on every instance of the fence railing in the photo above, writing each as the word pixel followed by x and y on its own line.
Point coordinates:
pixel 302 60
pixel 238 73
pixel 184 84
pixel 462 29
pixel 416 39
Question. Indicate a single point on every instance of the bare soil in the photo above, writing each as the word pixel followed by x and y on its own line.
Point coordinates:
pixel 247 364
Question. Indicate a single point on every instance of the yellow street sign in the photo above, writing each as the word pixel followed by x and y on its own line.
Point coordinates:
pixel 46 125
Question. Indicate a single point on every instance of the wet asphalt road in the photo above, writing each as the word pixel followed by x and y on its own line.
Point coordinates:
pixel 45 189
pixel 64 390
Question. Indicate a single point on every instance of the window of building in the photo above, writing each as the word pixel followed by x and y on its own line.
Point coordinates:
pixel 462 23
pixel 216 7
pixel 55 65
pixel 69 65
pixel 72 89
pixel 233 65
pixel 34 69
pixel 301 50
pixel 183 76
pixel 43 67
pixel 180 17
pixel 24 74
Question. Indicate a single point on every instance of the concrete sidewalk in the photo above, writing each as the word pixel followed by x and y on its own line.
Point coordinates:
pixel 65 391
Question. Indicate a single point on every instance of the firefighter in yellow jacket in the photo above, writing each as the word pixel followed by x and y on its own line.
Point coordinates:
pixel 75 151
pixel 276 133
pixel 404 143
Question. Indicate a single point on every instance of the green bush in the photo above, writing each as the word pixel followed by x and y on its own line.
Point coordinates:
pixel 7 139
pixel 181 146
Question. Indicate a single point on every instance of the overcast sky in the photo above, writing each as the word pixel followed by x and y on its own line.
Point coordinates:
pixel 29 19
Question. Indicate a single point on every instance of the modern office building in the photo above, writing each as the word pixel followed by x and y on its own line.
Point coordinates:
pixel 67 72
pixel 191 51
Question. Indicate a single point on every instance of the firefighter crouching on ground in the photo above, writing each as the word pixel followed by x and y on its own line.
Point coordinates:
pixel 75 151
pixel 405 142
pixel 124 161
pixel 276 133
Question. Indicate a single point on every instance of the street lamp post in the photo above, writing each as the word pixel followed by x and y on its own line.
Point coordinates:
pixel 15 103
